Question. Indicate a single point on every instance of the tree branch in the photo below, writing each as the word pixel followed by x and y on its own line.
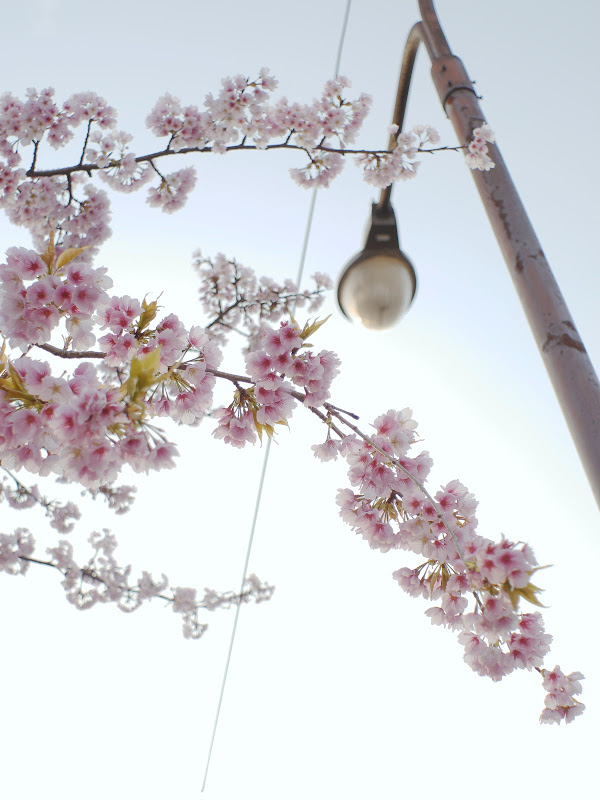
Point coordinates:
pixel 89 168
pixel 56 351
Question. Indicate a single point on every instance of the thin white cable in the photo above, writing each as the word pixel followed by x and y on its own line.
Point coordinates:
pixel 237 608
pixel 307 232
pixel 313 199
pixel 338 57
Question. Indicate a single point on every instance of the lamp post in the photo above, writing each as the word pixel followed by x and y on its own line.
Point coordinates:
pixel 563 353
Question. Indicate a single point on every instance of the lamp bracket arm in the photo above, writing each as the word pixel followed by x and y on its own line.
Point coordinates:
pixel 415 37
pixel 434 38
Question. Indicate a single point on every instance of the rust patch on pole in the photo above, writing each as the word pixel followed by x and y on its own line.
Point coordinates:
pixel 564 340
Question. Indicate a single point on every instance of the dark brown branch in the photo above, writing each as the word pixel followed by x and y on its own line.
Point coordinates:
pixel 327 421
pixel 343 411
pixel 36 145
pixel 229 376
pixel 224 312
pixel 56 351
pixel 37 561
pixel 89 168
pixel 456 149
pixel 87 137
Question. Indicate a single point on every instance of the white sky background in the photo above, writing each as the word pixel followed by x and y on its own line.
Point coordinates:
pixel 339 687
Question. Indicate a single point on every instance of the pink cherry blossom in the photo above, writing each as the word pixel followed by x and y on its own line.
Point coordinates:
pixel 85 425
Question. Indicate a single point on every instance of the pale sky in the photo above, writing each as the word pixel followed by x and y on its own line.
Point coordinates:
pixel 340 686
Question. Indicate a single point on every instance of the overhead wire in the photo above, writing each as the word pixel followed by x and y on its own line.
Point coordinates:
pixel 261 483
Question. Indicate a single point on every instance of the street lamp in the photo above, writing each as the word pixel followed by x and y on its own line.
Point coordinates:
pixel 378 285
pixel 563 353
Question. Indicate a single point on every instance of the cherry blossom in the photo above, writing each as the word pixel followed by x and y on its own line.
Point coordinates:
pixel 172 193
pixel 232 295
pixel 85 428
pixel 102 580
pixel 242 116
pixel 392 510
pixel 84 424
pixel 477 156
pixel 560 701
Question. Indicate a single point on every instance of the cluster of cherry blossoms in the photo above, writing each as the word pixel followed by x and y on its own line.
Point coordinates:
pixel 382 169
pixel 79 426
pixel 560 701
pixel 391 509
pixel 282 354
pixel 62 516
pixel 86 426
pixel 102 580
pixel 477 156
pixel 234 298
pixel 241 117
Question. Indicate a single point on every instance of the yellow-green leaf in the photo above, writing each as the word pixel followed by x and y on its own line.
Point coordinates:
pixel 48 256
pixel 16 379
pixel 68 255
pixel 311 328
pixel 148 314
pixel 143 373
pixel 527 593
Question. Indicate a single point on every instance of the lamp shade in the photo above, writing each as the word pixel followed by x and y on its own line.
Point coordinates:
pixel 378 285
pixel 376 288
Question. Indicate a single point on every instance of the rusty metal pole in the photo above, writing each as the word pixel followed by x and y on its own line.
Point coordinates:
pixel 563 353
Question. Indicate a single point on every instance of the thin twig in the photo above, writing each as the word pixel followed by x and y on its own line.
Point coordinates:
pixel 36 145
pixel 230 598
pixel 87 137
pixel 224 312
